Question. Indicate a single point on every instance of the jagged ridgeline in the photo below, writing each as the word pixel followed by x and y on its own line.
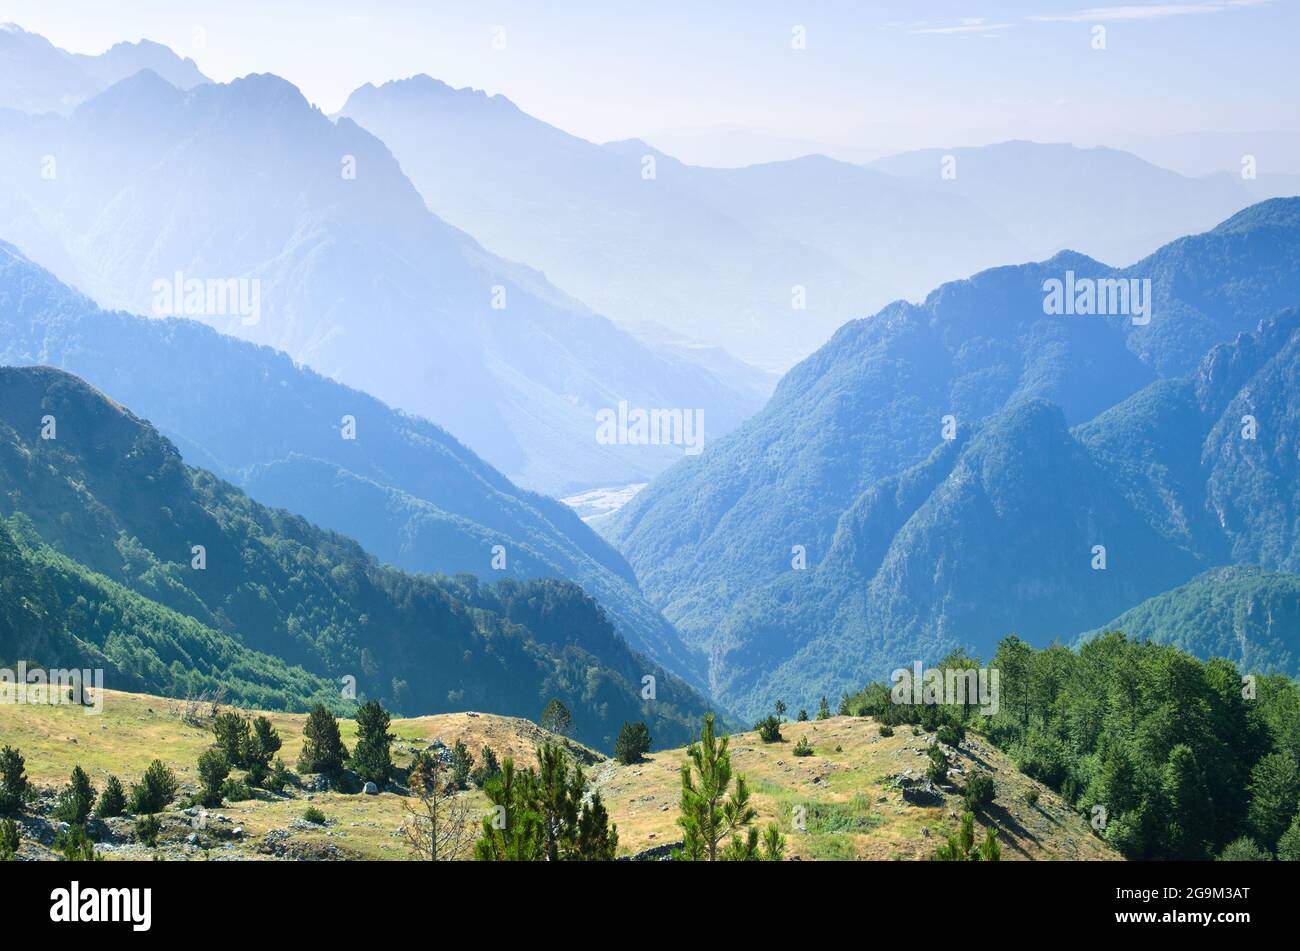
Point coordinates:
pixel 406 489
pixel 117 553
pixel 945 473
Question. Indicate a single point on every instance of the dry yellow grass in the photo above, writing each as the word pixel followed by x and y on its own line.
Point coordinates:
pixel 842 795
pixel 849 808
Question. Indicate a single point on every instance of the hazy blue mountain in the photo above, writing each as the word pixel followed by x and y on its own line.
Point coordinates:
pixel 410 492
pixel 1103 202
pixel 102 487
pixel 913 542
pixel 714 253
pixel 1247 614
pixel 37 76
pixel 248 182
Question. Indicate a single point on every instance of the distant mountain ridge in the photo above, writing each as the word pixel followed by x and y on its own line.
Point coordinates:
pixel 246 185
pixel 37 76
pixel 768 260
pixel 213 396
pixel 1069 432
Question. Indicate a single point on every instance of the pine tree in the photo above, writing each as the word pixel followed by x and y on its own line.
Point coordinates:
pixel 937 770
pixel 961 845
pixel 112 801
pixel 512 829
pixel 11 835
pixel 75 799
pixel 710 809
pixel 231 731
pixel 824 710
pixel 213 770
pixel 14 788
pixel 773 843
pixel 556 718
pixel 559 798
pixel 487 769
pixel 633 743
pixel 263 743
pixel 597 838
pixel 322 749
pixel 462 764
pixel 372 757
pixel 155 791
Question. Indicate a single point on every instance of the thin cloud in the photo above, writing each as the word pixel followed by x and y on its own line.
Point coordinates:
pixel 967 25
pixel 1155 11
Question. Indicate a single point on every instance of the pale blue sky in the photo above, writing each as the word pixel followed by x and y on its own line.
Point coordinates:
pixel 876 77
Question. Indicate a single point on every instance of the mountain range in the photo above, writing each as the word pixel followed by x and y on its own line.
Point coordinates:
pixel 1066 433
pixel 406 489
pixel 769 260
pixel 37 76
pixel 83 476
pixel 302 233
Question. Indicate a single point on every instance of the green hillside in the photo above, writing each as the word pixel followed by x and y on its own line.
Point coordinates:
pixel 112 495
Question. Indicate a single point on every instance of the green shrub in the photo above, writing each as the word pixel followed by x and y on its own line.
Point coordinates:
pixel 937 770
pixel 11 835
pixel 278 778
pixel 214 767
pixel 74 845
pixel 236 790
pixel 75 799
pixel 314 816
pixel 980 791
pixel 14 788
pixel 147 827
pixel 1243 849
pixel 803 715
pixel 769 729
pixel 802 748
pixel 886 730
pixel 1031 797
pixel 155 791
pixel 462 764
pixel 112 801
pixel 487 770
pixel 951 734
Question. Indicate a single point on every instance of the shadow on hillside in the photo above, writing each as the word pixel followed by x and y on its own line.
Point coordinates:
pixel 1010 830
